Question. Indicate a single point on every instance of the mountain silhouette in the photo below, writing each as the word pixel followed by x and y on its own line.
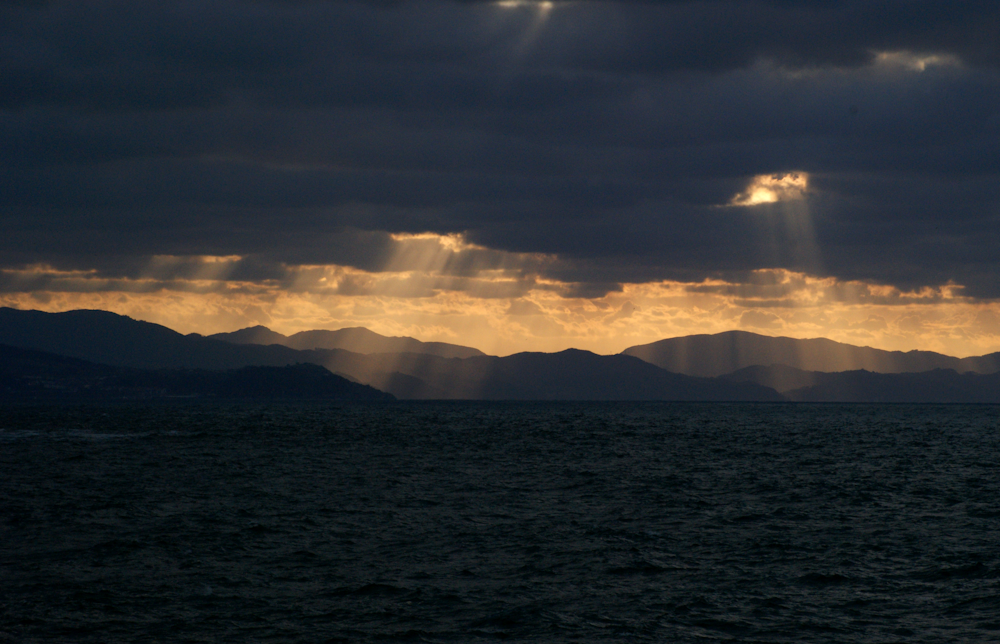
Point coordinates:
pixel 356 339
pixel 121 342
pixel 27 374
pixel 112 339
pixel 779 377
pixel 566 375
pixel 107 338
pixel 251 335
pixel 934 386
pixel 723 353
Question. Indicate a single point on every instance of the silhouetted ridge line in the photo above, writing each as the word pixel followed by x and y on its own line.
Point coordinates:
pixel 722 353
pixel 569 375
pixel 934 386
pixel 356 339
pixel 115 340
pixel 28 374
pixel 108 338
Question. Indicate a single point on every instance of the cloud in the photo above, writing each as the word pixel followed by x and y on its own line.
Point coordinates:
pixel 625 311
pixel 523 307
pixel 872 323
pixel 760 320
pixel 414 149
pixel 772 188
pixel 552 321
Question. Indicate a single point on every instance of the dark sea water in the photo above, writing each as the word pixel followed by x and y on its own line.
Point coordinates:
pixel 480 522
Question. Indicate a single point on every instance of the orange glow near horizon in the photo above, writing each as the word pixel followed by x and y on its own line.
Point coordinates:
pixel 501 311
pixel 444 288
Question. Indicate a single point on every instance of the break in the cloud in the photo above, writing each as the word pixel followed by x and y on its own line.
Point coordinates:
pixel 432 160
pixel 444 288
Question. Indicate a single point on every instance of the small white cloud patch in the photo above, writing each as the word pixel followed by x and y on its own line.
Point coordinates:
pixel 916 61
pixel 769 188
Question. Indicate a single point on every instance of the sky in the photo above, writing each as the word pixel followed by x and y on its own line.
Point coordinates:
pixel 513 175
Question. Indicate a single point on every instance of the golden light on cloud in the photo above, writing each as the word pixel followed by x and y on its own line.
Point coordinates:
pixel 452 241
pixel 771 188
pixel 915 61
pixel 502 312
pixel 194 267
pixel 543 6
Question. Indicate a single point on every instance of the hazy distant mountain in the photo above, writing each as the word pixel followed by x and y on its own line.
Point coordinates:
pixel 567 375
pixel 293 381
pixel 934 386
pixel 24 369
pixel 251 335
pixel 356 339
pixel 379 371
pixel 108 338
pixel 104 337
pixel 101 337
pixel 26 374
pixel 722 353
pixel 779 377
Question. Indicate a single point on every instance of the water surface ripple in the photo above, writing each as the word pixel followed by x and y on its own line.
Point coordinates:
pixel 466 522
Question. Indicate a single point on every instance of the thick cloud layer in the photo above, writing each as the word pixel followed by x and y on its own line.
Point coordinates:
pixel 612 137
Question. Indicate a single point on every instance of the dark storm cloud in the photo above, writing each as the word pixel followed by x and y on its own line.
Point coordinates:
pixel 610 133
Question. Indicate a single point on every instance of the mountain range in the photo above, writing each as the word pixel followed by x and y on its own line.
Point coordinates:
pixel 27 375
pixel 935 385
pixel 723 353
pixel 356 339
pixel 732 366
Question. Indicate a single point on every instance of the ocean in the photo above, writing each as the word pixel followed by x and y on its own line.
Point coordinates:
pixel 479 522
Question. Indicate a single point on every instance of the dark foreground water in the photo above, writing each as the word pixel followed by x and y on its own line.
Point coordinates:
pixel 479 522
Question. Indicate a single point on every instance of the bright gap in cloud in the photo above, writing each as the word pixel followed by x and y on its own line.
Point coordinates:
pixel 453 242
pixel 543 6
pixel 915 61
pixel 192 267
pixel 771 188
pixel 538 318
